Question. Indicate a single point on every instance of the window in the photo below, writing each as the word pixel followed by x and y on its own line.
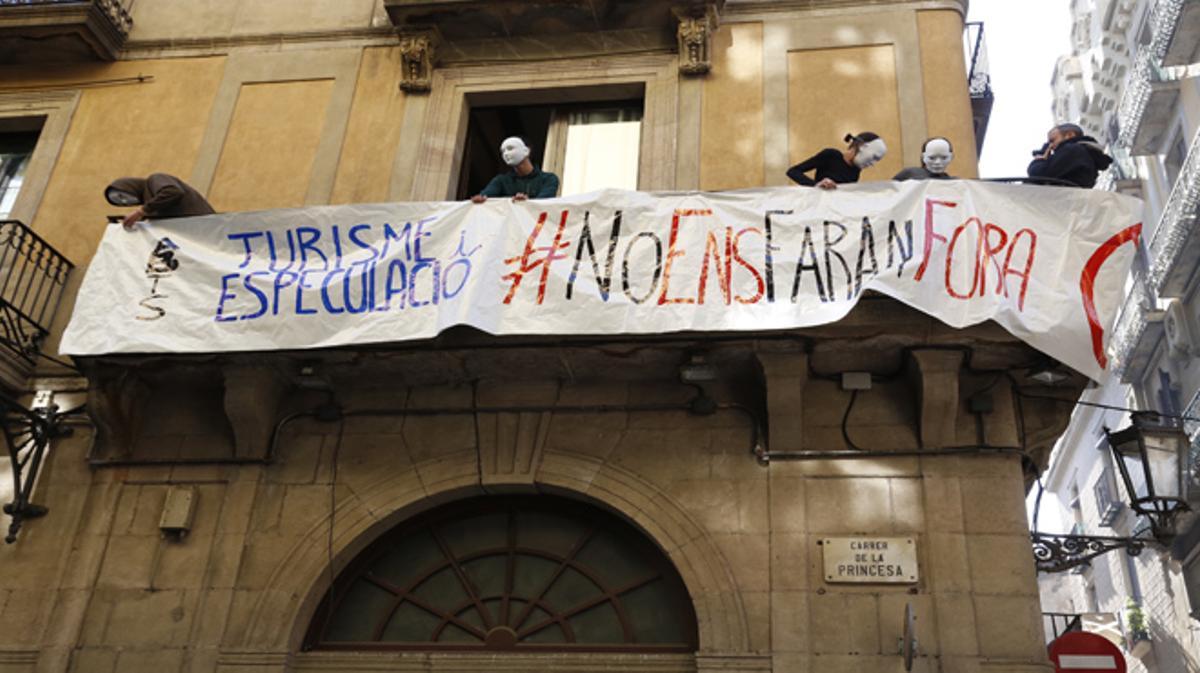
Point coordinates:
pixel 590 145
pixel 530 573
pixel 18 137
pixel 599 150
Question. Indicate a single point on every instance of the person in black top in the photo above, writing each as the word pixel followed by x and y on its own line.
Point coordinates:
pixel 936 155
pixel 833 166
pixel 1069 156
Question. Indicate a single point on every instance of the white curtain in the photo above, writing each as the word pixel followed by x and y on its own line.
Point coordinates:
pixel 601 150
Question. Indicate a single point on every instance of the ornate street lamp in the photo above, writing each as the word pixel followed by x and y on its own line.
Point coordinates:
pixel 1151 456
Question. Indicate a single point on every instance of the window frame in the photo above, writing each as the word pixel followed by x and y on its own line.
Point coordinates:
pixel 57 107
pixel 601 522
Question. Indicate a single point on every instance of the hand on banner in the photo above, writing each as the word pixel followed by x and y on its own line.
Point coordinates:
pixel 478 198
pixel 520 196
pixel 133 218
pixel 826 183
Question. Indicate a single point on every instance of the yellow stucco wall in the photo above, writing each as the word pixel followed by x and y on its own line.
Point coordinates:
pixel 944 77
pixel 271 145
pixel 132 129
pixel 373 133
pixel 731 145
pixel 832 92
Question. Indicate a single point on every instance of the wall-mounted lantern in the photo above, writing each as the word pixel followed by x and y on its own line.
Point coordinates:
pixel 1152 457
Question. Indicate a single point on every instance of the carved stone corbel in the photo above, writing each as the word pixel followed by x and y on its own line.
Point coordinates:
pixel 252 400
pixel 417 53
pixel 696 26
pixel 116 398
pixel 934 375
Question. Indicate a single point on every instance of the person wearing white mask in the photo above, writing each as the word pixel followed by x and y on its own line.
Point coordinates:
pixel 524 181
pixel 936 155
pixel 832 166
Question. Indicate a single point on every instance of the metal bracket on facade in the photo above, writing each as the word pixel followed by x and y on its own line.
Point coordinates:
pixel 1056 553
pixel 28 434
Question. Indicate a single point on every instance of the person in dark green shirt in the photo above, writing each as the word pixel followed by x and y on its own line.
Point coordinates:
pixel 525 181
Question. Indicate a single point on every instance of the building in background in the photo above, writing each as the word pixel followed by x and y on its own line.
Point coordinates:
pixel 202 509
pixel 1133 81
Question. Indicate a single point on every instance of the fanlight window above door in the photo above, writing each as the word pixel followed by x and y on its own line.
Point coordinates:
pixel 534 573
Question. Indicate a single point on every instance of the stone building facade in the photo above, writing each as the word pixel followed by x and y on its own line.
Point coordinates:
pixel 290 470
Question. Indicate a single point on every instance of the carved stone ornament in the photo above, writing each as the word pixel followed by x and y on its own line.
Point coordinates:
pixel 695 39
pixel 416 53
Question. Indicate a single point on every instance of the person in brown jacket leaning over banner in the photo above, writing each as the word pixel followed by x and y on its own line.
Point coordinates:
pixel 157 196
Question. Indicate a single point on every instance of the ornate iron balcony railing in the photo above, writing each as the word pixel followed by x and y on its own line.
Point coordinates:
pixel 1164 20
pixel 1192 428
pixel 37 31
pixel 32 277
pixel 1133 103
pixel 116 10
pixel 1131 323
pixel 1178 221
pixel 979 77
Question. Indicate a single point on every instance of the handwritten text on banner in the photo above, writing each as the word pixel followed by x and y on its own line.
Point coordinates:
pixel 1048 264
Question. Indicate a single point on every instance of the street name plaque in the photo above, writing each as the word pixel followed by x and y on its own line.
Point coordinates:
pixel 870 560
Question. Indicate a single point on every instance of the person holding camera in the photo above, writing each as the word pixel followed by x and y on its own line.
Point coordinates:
pixel 1069 156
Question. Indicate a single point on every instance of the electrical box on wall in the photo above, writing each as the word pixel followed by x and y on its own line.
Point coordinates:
pixel 179 508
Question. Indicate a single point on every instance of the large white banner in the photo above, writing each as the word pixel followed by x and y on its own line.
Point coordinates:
pixel 1047 263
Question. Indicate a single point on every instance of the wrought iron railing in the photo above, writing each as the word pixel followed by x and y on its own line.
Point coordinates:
pixel 1108 505
pixel 32 277
pixel 1136 97
pixel 116 10
pixel 1131 323
pixel 979 78
pixel 1164 20
pixel 1192 428
pixel 1178 219
pixel 1058 623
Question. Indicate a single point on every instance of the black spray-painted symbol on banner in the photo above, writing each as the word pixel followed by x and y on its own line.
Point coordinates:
pixel 161 265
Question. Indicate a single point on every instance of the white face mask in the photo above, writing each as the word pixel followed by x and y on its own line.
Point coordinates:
pixel 122 198
pixel 513 151
pixel 869 153
pixel 937 156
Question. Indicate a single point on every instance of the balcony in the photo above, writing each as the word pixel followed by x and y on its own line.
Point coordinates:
pixel 55 31
pixel 1175 248
pixel 1107 504
pixel 1139 328
pixel 1175 26
pixel 979 81
pixel 515 29
pixel 1101 623
pixel 32 276
pixel 1147 106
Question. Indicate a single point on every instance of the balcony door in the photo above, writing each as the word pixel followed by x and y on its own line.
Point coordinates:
pixel 589 145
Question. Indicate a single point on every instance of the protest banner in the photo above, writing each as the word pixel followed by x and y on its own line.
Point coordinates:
pixel 1048 264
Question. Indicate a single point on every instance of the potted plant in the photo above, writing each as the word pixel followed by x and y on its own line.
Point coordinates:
pixel 1137 630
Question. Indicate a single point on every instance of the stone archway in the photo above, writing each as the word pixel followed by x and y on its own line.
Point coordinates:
pixel 279 618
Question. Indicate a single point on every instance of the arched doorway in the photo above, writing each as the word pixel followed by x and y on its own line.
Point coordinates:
pixel 517 574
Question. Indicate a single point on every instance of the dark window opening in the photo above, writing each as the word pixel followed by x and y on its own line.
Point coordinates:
pixel 532 573
pixel 18 139
pixel 590 137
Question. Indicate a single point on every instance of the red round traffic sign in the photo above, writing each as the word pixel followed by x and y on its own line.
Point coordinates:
pixel 1083 652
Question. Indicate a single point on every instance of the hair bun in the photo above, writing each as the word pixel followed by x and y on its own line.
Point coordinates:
pixel 849 138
